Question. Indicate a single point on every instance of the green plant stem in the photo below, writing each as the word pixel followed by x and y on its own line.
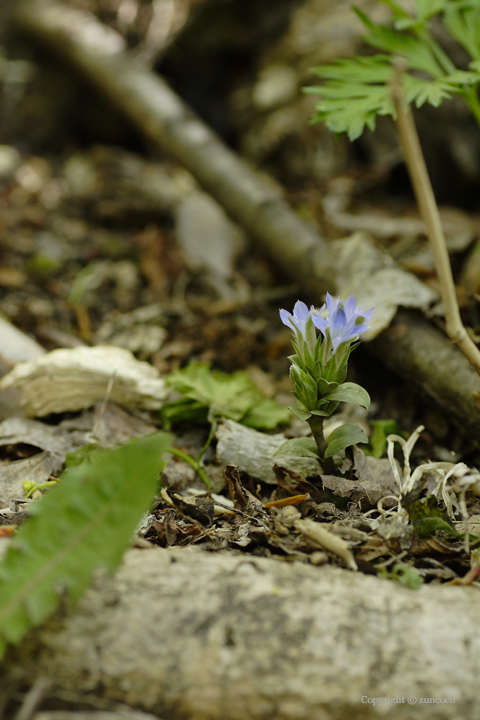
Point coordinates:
pixel 213 427
pixel 316 426
pixel 471 98
pixel 195 464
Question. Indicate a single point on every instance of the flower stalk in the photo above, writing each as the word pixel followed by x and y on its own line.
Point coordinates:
pixel 316 426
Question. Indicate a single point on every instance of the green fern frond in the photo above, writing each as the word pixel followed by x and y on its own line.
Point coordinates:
pixel 462 20
pixel 355 90
pixel 82 524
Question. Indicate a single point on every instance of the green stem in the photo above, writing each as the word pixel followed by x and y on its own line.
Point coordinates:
pixel 440 56
pixel 473 102
pixel 316 426
pixel 213 427
pixel 195 464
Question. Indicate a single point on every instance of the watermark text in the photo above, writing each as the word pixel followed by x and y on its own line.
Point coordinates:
pixel 398 699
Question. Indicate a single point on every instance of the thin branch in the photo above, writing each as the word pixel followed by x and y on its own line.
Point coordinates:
pixel 422 187
pixel 33 698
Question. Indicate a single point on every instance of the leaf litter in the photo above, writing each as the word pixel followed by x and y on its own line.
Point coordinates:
pixel 375 515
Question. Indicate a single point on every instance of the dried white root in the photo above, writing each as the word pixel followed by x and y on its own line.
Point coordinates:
pixel 453 481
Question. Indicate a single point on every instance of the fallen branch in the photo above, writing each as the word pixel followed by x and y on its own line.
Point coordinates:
pixel 342 267
pixel 97 52
pixel 433 365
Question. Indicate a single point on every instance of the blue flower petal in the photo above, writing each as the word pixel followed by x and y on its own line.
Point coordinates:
pixel 286 319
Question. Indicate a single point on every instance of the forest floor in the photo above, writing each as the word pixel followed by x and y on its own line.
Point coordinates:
pixel 97 247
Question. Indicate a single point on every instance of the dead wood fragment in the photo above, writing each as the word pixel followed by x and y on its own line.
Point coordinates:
pixel 315 531
pixel 70 379
pixel 253 452
pixel 183 633
pixel 255 203
pixel 434 366
pixel 33 698
pixel 16 346
pixel 97 52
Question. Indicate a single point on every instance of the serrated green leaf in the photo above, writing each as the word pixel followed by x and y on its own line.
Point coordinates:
pixel 82 524
pixel 234 396
pixel 356 89
pixel 421 91
pixel 266 415
pixel 355 92
pixel 416 52
pixel 344 436
pixel 397 9
pixel 462 77
pixel 224 393
pixel 462 21
pixel 350 392
pixel 373 69
pixel 408 24
pixel 183 410
pixel 428 8
pixel 298 447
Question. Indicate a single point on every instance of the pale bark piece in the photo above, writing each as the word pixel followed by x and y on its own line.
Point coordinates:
pixel 376 281
pixel 209 636
pixel 210 241
pixel 15 346
pixel 253 452
pixel 37 468
pixel 53 445
pixel 73 379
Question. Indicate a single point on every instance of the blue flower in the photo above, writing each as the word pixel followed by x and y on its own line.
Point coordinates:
pixel 298 321
pixel 344 321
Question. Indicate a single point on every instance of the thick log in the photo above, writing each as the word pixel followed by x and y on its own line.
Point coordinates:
pixel 188 634
pixel 433 365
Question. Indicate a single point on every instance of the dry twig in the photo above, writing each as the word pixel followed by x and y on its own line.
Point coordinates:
pixel 412 152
